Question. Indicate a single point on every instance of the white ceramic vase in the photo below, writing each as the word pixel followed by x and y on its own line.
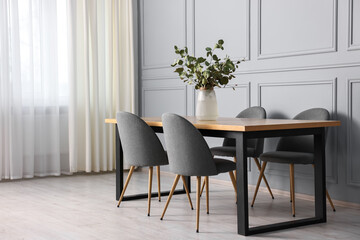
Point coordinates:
pixel 206 107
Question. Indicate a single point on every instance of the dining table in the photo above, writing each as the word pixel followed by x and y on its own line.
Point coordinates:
pixel 242 129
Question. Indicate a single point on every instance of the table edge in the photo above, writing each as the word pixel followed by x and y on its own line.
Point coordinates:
pixel 207 126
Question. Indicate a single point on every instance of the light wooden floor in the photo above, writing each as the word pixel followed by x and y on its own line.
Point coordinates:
pixel 84 207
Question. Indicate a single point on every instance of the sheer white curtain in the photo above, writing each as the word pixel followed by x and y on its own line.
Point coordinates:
pixel 102 76
pixel 65 66
pixel 33 89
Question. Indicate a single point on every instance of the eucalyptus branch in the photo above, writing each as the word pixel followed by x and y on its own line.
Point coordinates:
pixel 206 72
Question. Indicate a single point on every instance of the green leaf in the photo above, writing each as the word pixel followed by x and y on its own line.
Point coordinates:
pixel 208 49
pixel 179 70
pixel 224 81
pixel 201 60
pixel 221 42
pixel 215 57
pixel 206 74
pixel 180 62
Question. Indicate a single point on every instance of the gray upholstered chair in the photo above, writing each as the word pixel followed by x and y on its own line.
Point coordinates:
pixel 255 146
pixel 141 148
pixel 189 155
pixel 294 150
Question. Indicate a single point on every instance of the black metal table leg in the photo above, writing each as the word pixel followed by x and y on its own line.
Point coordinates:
pixel 242 184
pixel 319 176
pixel 120 175
pixel 242 181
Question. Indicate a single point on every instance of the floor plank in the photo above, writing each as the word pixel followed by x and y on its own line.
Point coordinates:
pixel 84 207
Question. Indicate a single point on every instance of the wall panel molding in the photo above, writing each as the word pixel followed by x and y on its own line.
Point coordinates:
pixel 333 178
pixel 273 70
pixel 247 33
pixel 325 49
pixel 350 133
pixel 247 86
pixel 167 90
pixel 145 66
pixel 351 44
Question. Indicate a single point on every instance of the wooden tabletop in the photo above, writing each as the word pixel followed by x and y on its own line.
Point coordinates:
pixel 245 124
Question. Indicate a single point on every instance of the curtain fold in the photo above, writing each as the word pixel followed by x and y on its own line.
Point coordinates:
pixel 33 117
pixel 100 84
pixel 65 66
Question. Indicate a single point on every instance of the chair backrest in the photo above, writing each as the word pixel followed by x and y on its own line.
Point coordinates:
pixel 187 150
pixel 303 143
pixel 141 146
pixel 257 144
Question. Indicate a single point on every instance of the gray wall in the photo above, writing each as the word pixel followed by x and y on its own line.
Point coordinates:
pixel 299 54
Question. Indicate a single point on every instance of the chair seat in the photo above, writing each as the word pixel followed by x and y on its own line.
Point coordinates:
pixel 230 151
pixel 223 165
pixel 288 157
pixel 164 161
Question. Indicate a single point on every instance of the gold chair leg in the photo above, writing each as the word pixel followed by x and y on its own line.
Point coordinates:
pixel 132 168
pixel 292 189
pixel 202 188
pixel 235 170
pixel 233 174
pixel 233 181
pixel 207 193
pixel 264 178
pixel 198 184
pixel 187 192
pixel 150 185
pixel 330 201
pixel 170 195
pixel 258 182
pixel 158 182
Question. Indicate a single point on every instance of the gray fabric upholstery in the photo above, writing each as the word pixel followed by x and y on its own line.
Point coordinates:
pixel 288 157
pixel 224 166
pixel 229 151
pixel 297 149
pixel 303 143
pixel 255 146
pixel 141 146
pixel 188 152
